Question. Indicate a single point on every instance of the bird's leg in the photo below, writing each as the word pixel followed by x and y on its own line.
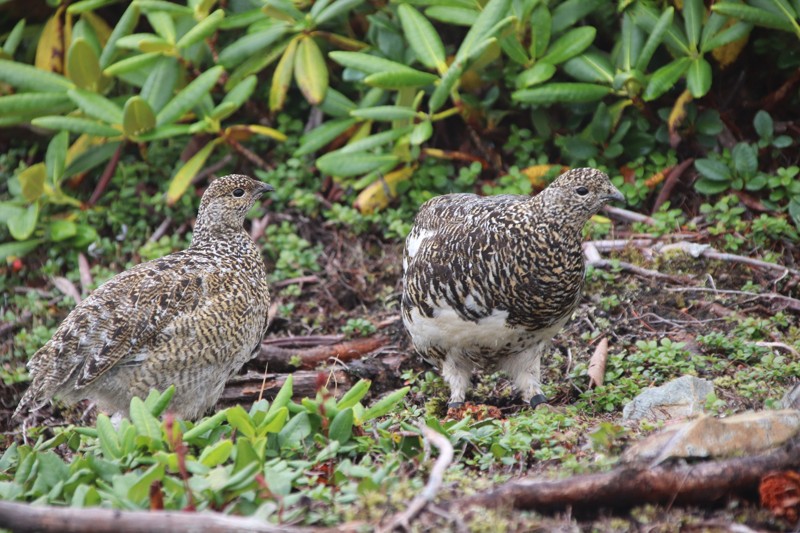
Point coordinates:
pixel 457 372
pixel 525 369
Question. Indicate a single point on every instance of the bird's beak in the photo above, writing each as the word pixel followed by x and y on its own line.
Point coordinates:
pixel 264 187
pixel 616 195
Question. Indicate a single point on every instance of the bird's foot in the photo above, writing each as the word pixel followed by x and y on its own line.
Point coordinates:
pixel 455 405
pixel 537 399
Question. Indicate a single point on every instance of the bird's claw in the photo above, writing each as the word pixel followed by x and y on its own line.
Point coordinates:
pixel 537 399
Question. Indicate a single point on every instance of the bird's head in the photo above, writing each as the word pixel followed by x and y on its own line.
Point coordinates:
pixel 226 202
pixel 580 193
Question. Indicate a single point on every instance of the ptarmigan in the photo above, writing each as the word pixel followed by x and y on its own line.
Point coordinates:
pixel 489 280
pixel 189 319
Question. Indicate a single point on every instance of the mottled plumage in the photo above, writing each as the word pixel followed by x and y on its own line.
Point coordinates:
pixel 189 319
pixel 489 280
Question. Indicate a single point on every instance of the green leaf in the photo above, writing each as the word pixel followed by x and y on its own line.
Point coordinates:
pixel 458 16
pixel 160 84
pixel 14 38
pixel 322 135
pixel 189 96
pixel 693 11
pixel 540 30
pixel 127 22
pixel 367 63
pixel 56 156
pixel 665 78
pixel 162 23
pixel 138 117
pixel 282 77
pixel 446 86
pixel 83 65
pixel 385 404
pixel 17 249
pixel 710 187
pixel 763 125
pixel 203 29
pixel 109 439
pixel 354 395
pixel 339 7
pixel 235 98
pixel 251 45
pixel 656 35
pixel 161 403
pixel 484 27
pixel 384 112
pixel 698 78
pixel 27 77
pixel 131 65
pixel 146 424
pixel 745 159
pixel 341 428
pixel 295 431
pixel 738 31
pixel 239 419
pixel 569 45
pixel 273 422
pixel 310 71
pixel 539 73
pixel 568 13
pixel 713 170
pixel 216 454
pixel 76 125
pixel 561 92
pixel 183 177
pixel 96 106
pixel 421 133
pixel 205 426
pixel 35 104
pixel 31 181
pixel 374 141
pixel 140 491
pixel 422 37
pixel 21 227
pixel 591 67
pixel 61 230
pixel 283 397
pixel 91 158
pixel 647 18
pixel 754 15
pixel 336 104
pixel 399 79
pixel 349 164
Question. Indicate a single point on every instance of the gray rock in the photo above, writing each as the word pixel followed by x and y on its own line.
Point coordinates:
pixel 680 398
pixel 791 400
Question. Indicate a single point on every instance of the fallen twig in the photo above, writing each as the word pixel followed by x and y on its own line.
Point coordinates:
pixel 629 216
pixel 287 359
pixel 402 520
pixel 108 173
pixel 252 386
pixel 628 486
pixel 22 517
pixel 704 250
pixel 160 230
pixel 672 180
pixel 293 281
pixel 790 302
pixel 639 271
pixel 597 364
pixel 308 340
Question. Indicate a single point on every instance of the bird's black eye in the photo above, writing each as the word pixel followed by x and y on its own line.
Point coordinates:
pixel 238 193
pixel 582 191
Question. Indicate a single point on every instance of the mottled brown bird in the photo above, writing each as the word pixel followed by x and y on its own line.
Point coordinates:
pixel 189 319
pixel 489 280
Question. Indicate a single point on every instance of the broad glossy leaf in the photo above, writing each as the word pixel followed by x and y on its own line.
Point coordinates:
pixel 216 454
pixel 91 158
pixel 336 104
pixel 654 38
pixel 55 157
pixel 283 10
pixel 60 230
pixel 485 27
pixel 376 196
pixel 21 227
pixel 34 104
pixel 458 16
pixel 693 12
pixel 160 401
pixel 310 71
pixel 421 133
pixel 140 62
pixel 385 404
pixel 162 23
pixel 146 424
pixel 709 187
pixel 539 73
pixel 422 37
pixel 349 164
pixel 341 428
pixel 665 78
pixel 14 38
pixel 140 490
pixel 337 8
pixel 384 112
pixel 282 77
pixel 109 439
pixel 561 93
pixel 367 63
pixel 446 86
pixel 591 67
pixel 713 170
pixel 568 13
pixel 189 96
pixel 165 6
pixel 698 78
pixel 27 77
pixel 764 125
pixel 400 79
pixel 240 419
pixel 236 97
pixel 96 105
pixel 514 49
pixel 76 125
pixel 138 117
pixel 541 27
pixel 322 135
pixel 295 431
pixel 354 395
pixel 183 178
pixel 31 181
pixel 745 159
pixel 738 31
pixel 754 15
pixel 125 25
pixel 251 45
pixel 569 45
pixel 203 29
pixel 647 18
pixel 205 426
pixel 374 141
pixel 161 82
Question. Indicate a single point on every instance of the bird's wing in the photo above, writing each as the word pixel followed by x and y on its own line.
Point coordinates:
pixel 130 310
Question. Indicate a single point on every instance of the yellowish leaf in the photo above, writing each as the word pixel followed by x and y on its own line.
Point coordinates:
pixel 282 77
pixel 379 193
pixel 310 71
pixel 183 178
pixel 54 41
pixel 677 116
pixel 728 53
pixel 536 174
pixel 243 132
pixel 100 27
pixel 32 180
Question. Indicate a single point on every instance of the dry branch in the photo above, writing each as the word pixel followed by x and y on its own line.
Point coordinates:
pixel 283 359
pixel 628 486
pixel 248 387
pixel 431 489
pixel 21 517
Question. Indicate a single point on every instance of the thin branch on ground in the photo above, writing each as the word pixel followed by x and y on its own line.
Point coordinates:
pixel 639 271
pixel 85 274
pixel 105 178
pixel 669 184
pixel 296 281
pixel 21 517
pixel 287 359
pixel 303 340
pixel 160 230
pixel 426 496
pixel 629 216
pixel 704 250
pixel 790 302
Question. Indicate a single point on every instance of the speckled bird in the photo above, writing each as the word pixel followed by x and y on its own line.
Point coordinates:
pixel 490 280
pixel 189 319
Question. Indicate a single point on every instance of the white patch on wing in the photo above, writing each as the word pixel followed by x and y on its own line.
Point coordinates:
pixel 414 241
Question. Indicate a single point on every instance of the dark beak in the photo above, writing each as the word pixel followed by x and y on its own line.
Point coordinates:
pixel 265 187
pixel 616 195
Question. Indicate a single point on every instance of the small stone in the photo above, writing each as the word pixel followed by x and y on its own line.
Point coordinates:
pixel 680 398
pixel 791 400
